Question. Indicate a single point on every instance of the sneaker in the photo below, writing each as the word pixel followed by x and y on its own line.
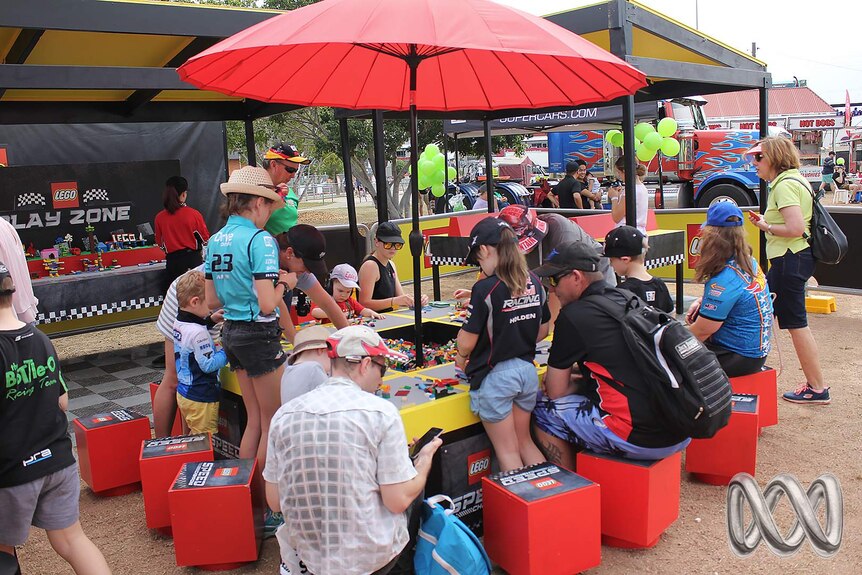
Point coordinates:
pixel 806 394
pixel 271 523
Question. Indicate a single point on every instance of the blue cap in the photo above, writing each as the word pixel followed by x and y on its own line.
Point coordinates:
pixel 724 215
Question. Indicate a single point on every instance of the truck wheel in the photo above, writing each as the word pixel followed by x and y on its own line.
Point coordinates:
pixel 724 193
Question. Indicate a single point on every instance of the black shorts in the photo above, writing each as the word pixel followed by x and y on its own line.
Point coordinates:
pixel 734 364
pixel 254 347
pixel 787 277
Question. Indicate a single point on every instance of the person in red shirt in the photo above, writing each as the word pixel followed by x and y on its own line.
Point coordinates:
pixel 180 230
pixel 343 279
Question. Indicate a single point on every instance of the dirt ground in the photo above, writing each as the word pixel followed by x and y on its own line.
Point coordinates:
pixel 807 442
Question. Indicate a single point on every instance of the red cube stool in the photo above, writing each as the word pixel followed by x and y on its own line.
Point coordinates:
pixel 177 429
pixel 108 448
pixel 763 384
pixel 217 514
pixel 542 519
pixel 160 461
pixel 731 450
pixel 640 499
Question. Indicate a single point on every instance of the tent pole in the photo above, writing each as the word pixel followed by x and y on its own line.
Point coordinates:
pixel 457 162
pixel 489 168
pixel 348 188
pixel 764 130
pixel 631 160
pixel 249 142
pixel 415 235
pixel 380 166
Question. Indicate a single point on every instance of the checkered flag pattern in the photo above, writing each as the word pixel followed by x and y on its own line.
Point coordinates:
pixel 95 195
pixel 30 199
pixel 448 251
pixel 652 264
pixel 96 310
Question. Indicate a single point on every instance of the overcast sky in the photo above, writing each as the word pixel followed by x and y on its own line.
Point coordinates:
pixel 815 41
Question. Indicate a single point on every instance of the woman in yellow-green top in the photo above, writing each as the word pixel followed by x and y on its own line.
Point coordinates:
pixel 787 225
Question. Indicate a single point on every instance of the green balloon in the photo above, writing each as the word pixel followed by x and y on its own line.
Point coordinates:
pixel 452 173
pixel 670 147
pixel 617 139
pixel 653 141
pixel 439 163
pixel 642 129
pixel 426 167
pixel 439 177
pixel 438 190
pixel 424 182
pixel 644 154
pixel 432 150
pixel 667 127
pixel 638 144
pixel 611 135
pixel 840 161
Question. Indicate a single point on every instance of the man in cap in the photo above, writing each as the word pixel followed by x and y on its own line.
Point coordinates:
pixel 594 395
pixel 339 469
pixel 39 483
pixel 301 249
pixel 283 162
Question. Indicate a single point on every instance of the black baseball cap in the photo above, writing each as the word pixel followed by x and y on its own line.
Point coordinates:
pixel 487 232
pixel 310 245
pixel 570 256
pixel 624 241
pixel 571 167
pixel 7 284
pixel 389 232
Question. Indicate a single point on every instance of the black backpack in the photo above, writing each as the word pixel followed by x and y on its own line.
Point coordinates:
pixel 828 243
pixel 690 388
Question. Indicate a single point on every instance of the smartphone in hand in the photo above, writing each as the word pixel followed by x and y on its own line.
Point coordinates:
pixel 753 215
pixel 429 436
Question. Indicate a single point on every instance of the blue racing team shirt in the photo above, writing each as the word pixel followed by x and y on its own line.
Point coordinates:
pixel 197 359
pixel 237 255
pixel 744 304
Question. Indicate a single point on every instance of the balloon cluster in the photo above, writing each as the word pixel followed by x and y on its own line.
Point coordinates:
pixel 433 171
pixel 840 161
pixel 648 140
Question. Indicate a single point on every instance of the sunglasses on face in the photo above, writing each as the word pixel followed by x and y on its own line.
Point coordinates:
pixel 390 245
pixel 290 169
pixel 381 365
pixel 556 279
pixel 758 157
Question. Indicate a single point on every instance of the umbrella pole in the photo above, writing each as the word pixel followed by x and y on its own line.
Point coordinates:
pixel 415 235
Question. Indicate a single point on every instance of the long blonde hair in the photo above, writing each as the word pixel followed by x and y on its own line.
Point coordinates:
pixel 511 263
pixel 719 244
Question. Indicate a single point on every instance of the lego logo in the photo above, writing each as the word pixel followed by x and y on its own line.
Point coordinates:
pixel 227 472
pixel 480 466
pixel 65 195
pixel 177 447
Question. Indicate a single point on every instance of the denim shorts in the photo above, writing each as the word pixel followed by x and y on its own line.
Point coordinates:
pixel 253 346
pixel 576 419
pixel 787 277
pixel 49 503
pixel 510 381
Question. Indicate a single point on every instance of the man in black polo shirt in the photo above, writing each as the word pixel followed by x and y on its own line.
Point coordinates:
pixel 604 405
pixel 568 192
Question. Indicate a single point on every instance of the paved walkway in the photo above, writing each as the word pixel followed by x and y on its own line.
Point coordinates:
pixel 113 380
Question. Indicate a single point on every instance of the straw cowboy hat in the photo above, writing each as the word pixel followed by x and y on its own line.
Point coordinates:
pixel 254 181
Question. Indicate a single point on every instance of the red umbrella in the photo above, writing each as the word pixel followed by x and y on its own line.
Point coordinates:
pixel 442 55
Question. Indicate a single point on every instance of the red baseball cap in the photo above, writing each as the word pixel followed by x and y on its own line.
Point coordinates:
pixel 527 225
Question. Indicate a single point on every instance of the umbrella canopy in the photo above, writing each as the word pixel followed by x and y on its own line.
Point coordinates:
pixel 441 55
pixel 472 55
